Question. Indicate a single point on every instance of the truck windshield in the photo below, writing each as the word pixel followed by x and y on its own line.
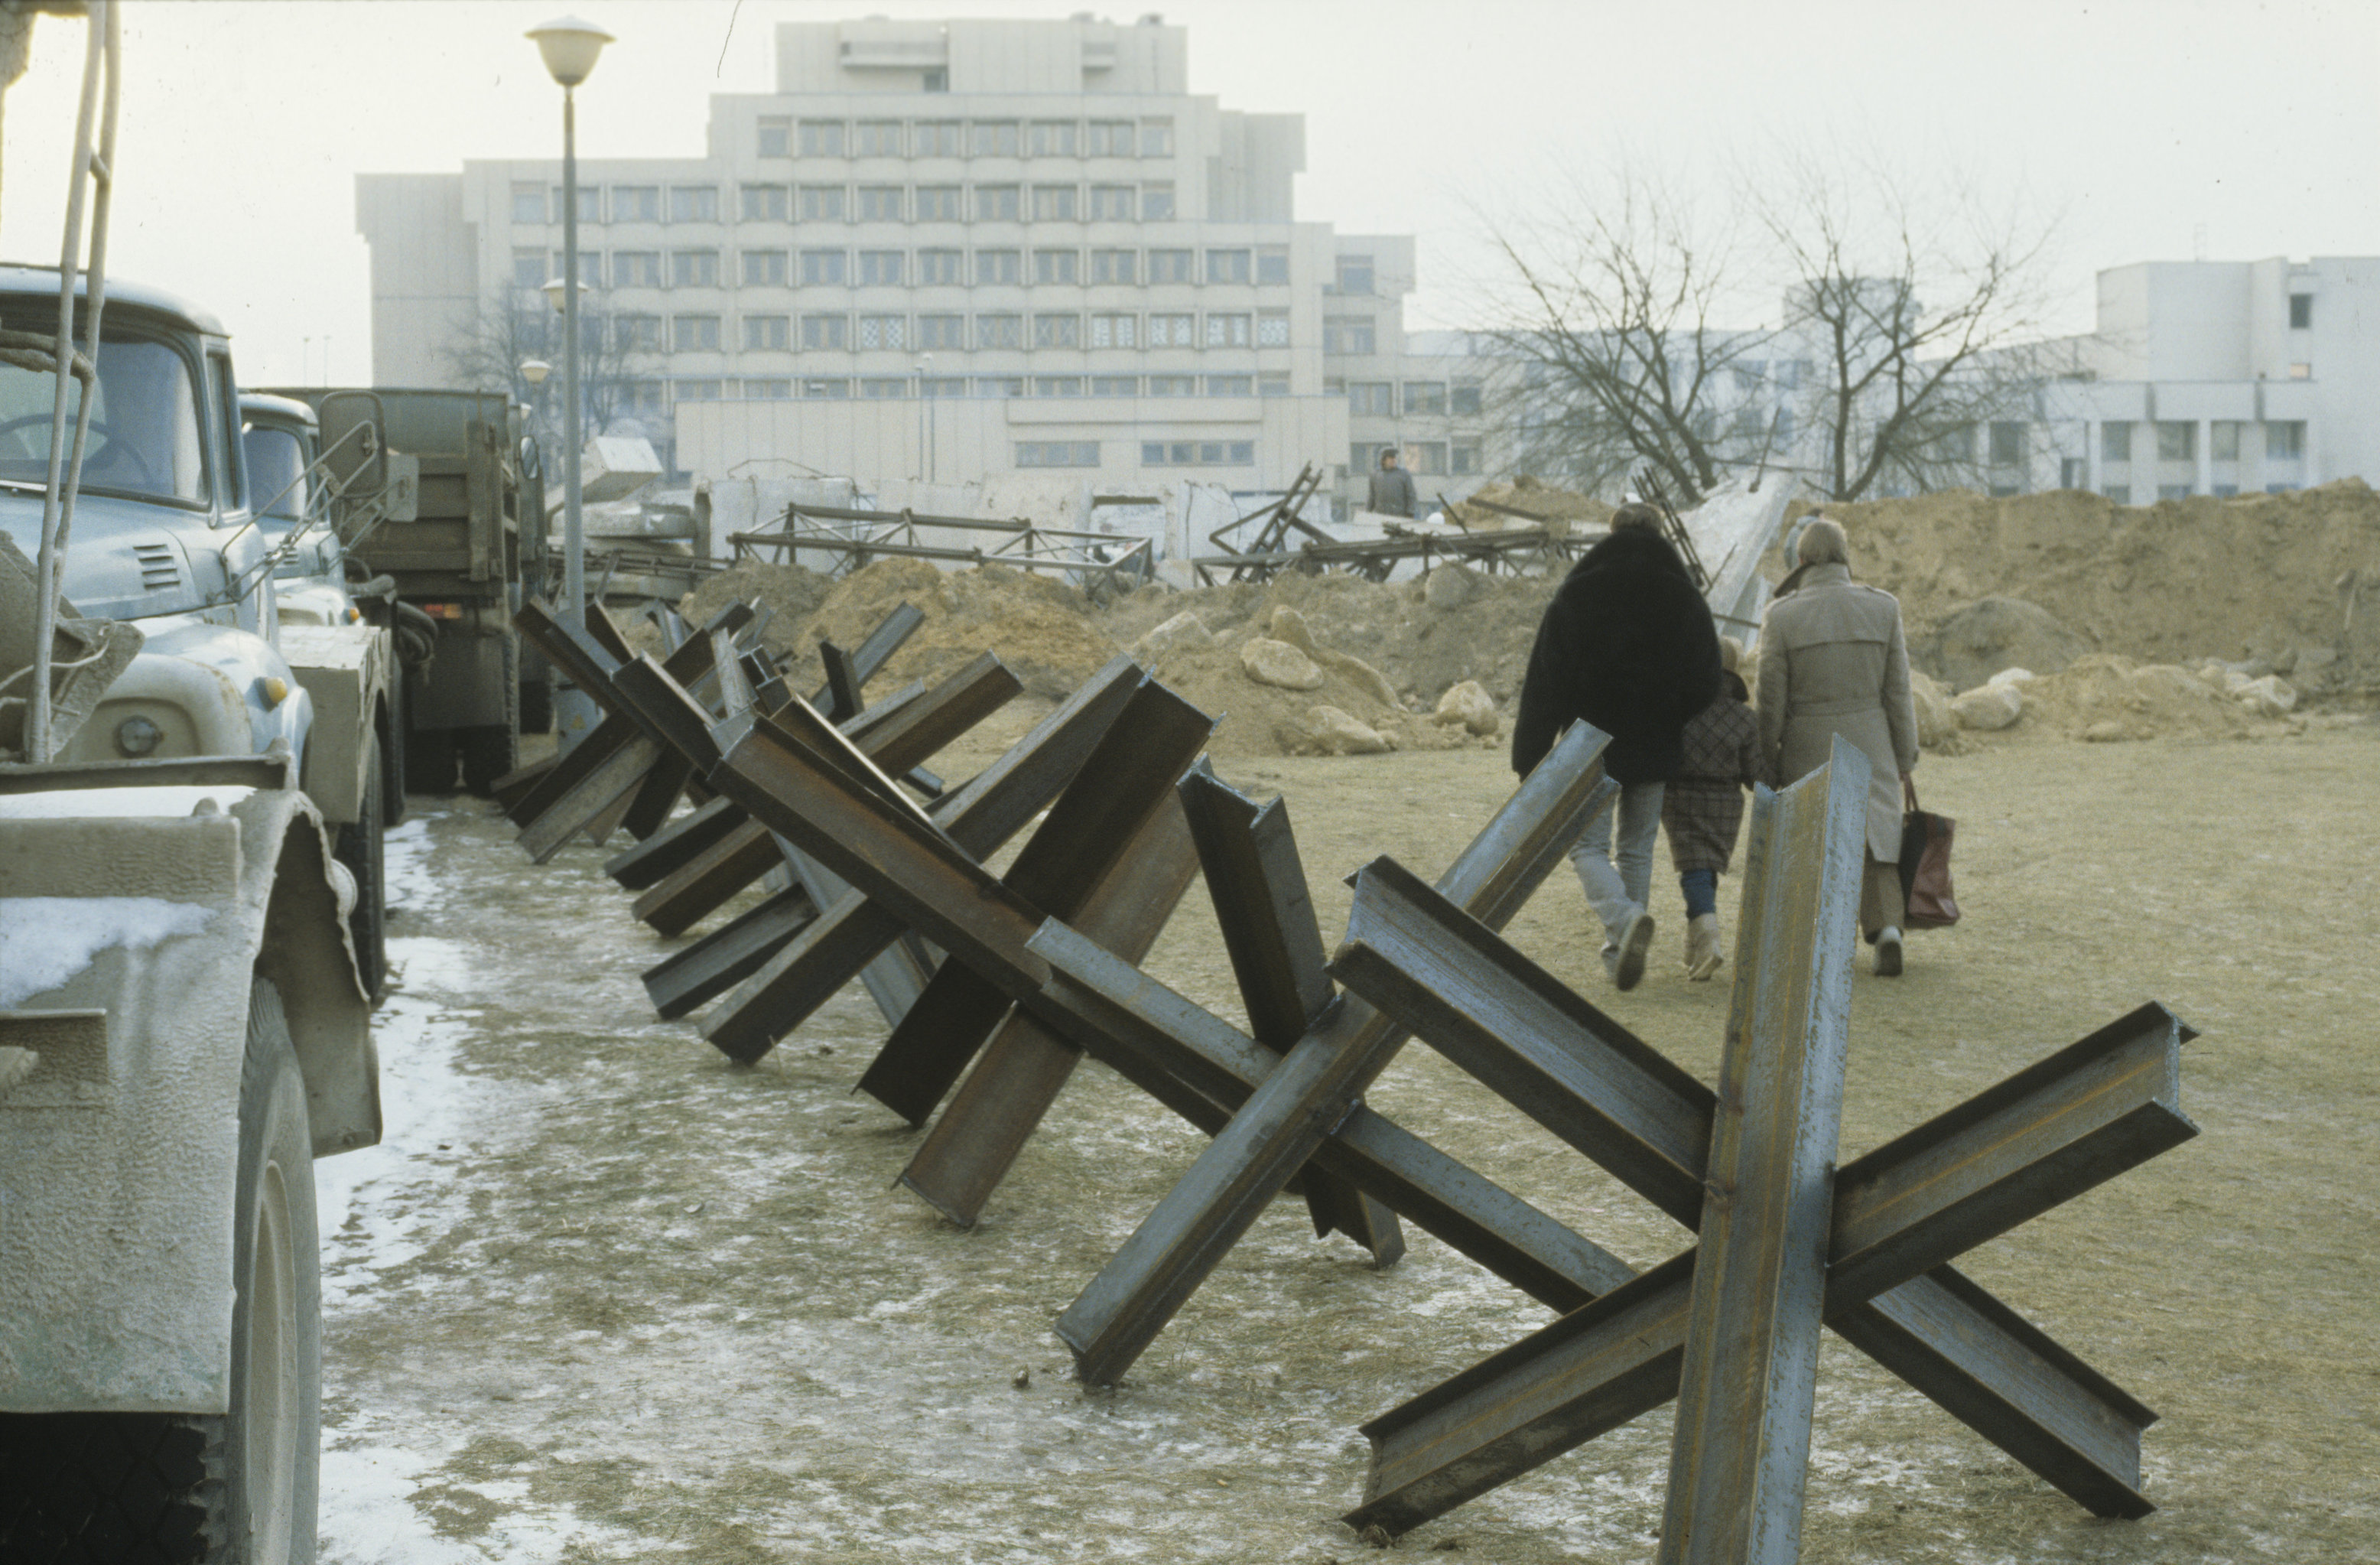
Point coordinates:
pixel 144 424
pixel 276 470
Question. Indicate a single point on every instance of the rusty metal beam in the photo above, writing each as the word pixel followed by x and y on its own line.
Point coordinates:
pixel 642 867
pixel 1314 1086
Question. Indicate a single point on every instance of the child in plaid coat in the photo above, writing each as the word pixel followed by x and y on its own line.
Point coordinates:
pixel 1702 808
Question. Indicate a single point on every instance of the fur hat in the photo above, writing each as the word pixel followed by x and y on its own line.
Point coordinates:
pixel 1823 543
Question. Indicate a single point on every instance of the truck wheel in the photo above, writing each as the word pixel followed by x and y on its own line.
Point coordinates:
pixel 140 1488
pixel 391 758
pixel 536 706
pixel 488 754
pixel 360 848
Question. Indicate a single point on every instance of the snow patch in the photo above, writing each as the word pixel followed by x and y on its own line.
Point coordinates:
pixel 46 941
pixel 86 804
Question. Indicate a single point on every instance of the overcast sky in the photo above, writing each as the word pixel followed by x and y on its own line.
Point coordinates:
pixel 2163 129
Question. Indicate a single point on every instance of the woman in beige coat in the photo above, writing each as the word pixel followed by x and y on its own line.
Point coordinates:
pixel 1832 662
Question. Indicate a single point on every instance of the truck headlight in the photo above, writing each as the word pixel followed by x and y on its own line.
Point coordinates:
pixel 136 737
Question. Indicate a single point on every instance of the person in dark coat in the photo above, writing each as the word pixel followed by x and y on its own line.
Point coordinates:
pixel 1628 646
pixel 1702 809
pixel 1391 490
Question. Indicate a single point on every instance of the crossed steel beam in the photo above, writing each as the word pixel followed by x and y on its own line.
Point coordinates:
pixel 1865 1250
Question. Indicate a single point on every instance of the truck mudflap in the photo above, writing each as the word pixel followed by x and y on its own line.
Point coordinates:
pixel 136 903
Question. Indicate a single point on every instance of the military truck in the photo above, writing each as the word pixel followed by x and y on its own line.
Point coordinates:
pixel 183 1024
pixel 473 553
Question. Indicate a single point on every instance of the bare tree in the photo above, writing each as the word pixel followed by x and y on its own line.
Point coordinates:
pixel 516 326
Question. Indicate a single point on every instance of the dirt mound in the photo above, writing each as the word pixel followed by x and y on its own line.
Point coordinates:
pixel 1538 502
pixel 1971 644
pixel 2179 581
pixel 2104 697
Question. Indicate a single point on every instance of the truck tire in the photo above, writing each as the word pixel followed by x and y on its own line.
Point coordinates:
pixel 392 757
pixel 143 1488
pixel 361 849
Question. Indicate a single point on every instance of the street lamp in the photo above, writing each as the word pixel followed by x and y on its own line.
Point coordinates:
pixel 569 47
pixel 535 370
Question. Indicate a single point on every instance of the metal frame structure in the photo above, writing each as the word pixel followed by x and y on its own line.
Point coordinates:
pixel 1088 557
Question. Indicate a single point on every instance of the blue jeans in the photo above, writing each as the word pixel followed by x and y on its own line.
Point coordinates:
pixel 1701 887
pixel 1617 890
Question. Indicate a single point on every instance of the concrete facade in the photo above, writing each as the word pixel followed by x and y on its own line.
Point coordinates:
pixel 941 251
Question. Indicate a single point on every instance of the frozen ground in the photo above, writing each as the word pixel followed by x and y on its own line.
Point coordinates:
pixel 602 1296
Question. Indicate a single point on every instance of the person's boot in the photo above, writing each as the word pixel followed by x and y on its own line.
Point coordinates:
pixel 1635 941
pixel 1703 952
pixel 1887 953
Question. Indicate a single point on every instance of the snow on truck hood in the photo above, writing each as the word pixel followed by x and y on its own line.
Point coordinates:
pixel 85 804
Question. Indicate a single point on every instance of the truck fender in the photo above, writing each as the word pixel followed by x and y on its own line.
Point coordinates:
pixel 344 671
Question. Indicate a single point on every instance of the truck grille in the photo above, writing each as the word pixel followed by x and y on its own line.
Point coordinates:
pixel 159 573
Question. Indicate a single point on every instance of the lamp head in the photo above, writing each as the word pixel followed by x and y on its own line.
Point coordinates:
pixel 555 288
pixel 535 370
pixel 569 46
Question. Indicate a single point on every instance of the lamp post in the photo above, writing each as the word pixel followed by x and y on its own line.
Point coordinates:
pixel 569 47
pixel 925 363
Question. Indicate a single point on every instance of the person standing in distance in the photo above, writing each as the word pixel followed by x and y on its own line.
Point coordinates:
pixel 1627 645
pixel 1833 661
pixel 1392 486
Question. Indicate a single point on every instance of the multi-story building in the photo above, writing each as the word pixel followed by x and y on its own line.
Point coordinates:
pixel 943 252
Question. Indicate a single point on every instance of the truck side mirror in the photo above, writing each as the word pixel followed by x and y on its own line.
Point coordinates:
pixel 354 452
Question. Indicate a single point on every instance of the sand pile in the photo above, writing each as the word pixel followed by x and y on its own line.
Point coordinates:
pixel 1559 509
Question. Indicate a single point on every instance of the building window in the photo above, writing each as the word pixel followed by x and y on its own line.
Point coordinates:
pixel 941 331
pixel 637 333
pixel 996 204
pixel 1231 385
pixel 883 388
pixel 2280 488
pixel 2173 491
pixel 2073 472
pixel 1000 330
pixel 528 269
pixel 1272 327
pixel 1058 454
pixel 528 201
pixel 2008 441
pixel 936 139
pixel 1054 203
pixel 2115 444
pixel 1429 457
pixel 1115 331
pixel 821 138
pixel 1054 138
pixel 999 385
pixel 880 204
pixel 2223 439
pixel 2121 493
pixel 1057 266
pixel 1169 266
pixel 635 203
pixel 1376 398
pixel 2301 313
pixel 694 269
pixel 1110 203
pixel 2176 441
pixel 642 399
pixel 1057 385
pixel 941 266
pixel 695 391
pixel 1173 331
pixel 764 334
pixel 1272 263
pixel 1173 385
pixel 995 267
pixel 2225 490
pixel 764 269
pixel 1110 139
pixel 938 203
pixel 824 268
pixel 763 203
pixel 1156 203
pixel 773 137
pixel 1227 330
pixel 826 331
pixel 879 138
pixel 943 385
pixel 694 203
pixel 1057 330
pixel 1156 138
pixel 1197 452
pixel 1347 334
pixel 767 391
pixel 1466 398
pixel 1425 396
pixel 883 331
pixel 1115 386
pixel 2285 442
pixel 880 268
pixel 2301 371
pixel 823 203
pixel 1112 266
pixel 1355 275
pixel 1228 266
pixel 826 390
pixel 991 139
pixel 1272 385
pixel 1462 458
pixel 693 333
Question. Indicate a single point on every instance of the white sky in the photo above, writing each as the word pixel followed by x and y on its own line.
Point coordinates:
pixel 2162 129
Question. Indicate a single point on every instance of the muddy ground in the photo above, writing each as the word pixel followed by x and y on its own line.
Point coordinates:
pixel 603 1296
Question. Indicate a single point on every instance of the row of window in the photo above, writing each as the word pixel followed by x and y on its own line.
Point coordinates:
pixel 837 267
pixel 2178 441
pixel 1426 458
pixel 647 394
pixel 783 136
pixel 989 329
pixel 2121 493
pixel 1147 201
pixel 1378 398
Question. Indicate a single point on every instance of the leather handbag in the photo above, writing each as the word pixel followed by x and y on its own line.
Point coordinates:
pixel 1926 865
